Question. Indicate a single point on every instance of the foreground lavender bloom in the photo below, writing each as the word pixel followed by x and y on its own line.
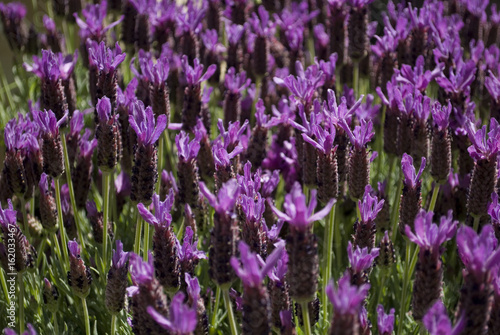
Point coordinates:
pixel 13 171
pixel 157 75
pixel 165 247
pixel 224 234
pixel 145 171
pixel 440 158
pixel 146 293
pixel 116 285
pixel 411 199
pixel 108 136
pixel 436 321
pixel 479 253
pixel 347 301
pixel 253 231
pixel 427 287
pixel 301 243
pixel 24 253
pixel 359 162
pixel 196 301
pixel 256 305
pixel 484 151
pixel 189 255
pixel 53 159
pixel 182 318
pixel 191 109
pixel 385 322
pixel 361 260
pixel 365 229
pixel 79 276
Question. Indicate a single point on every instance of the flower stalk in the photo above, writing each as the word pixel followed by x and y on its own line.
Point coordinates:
pixel 60 219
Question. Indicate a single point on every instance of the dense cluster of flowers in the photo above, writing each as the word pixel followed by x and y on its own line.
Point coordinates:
pixel 281 156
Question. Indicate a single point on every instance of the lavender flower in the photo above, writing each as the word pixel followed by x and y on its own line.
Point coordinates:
pixel 361 260
pixel 12 15
pixel 81 175
pixel 264 28
pixel 436 321
pixel 187 170
pixel 347 301
pixel 157 75
pixel 365 229
pixel 79 276
pixel 189 26
pixel 182 318
pixel 411 199
pixel 427 287
pixel 48 211
pixel 494 212
pixel 235 84
pixel 108 136
pixel 189 255
pixel 440 158
pixel 385 322
pixel 234 34
pixel 50 296
pixel 117 280
pixel 92 25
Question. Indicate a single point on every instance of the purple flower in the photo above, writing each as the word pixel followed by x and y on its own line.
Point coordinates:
pixel 104 58
pixel 324 138
pixel 280 269
pixel 210 39
pixel 483 147
pixel 494 209
pixel 492 84
pixel 479 253
pixel 87 147
pixel 436 321
pixel 386 44
pixel 428 236
pixel 261 24
pixel 417 76
pixel 441 115
pixel 161 216
pixel 236 83
pixel 141 272
pixel 253 207
pixel 329 67
pixel 459 80
pixel 143 122
pixel 249 184
pixel 74 249
pixel 361 134
pixel 347 299
pixel 411 178
pixel 234 33
pixel 104 111
pixel 222 158
pixel 385 322
pixel 194 75
pixel 190 20
pixel 226 196
pixel 234 132
pixel 422 107
pixel 8 216
pixel 370 206
pixel 269 182
pixel 181 319
pixel 253 269
pixel 321 37
pixel 119 258
pixel 144 6
pixel 156 73
pixel 31 330
pixel 189 249
pixel 305 84
pixel 367 111
pixel 298 214
pixel 47 122
pixel 14 11
pixel 360 259
pixel 92 25
pixel 359 3
pixel 186 150
pixel 193 287
pixel 45 68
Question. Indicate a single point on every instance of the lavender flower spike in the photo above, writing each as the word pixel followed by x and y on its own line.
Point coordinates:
pixel 365 229
pixel 143 122
pixel 116 285
pixel 161 217
pixel 361 262
pixel 182 318
pixel 385 322
pixel 226 197
pixel 411 199
pixel 298 214
pixel 436 321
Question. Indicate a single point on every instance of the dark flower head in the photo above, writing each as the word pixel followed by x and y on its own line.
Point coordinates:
pixel 92 25
pixel 385 322
pixel 484 145
pixel 141 272
pixel 186 150
pixel 298 214
pixel 226 197
pixel 156 73
pixel 161 216
pixel 347 299
pixel 361 134
pixel 253 269
pixel 428 236
pixel 142 120
pixel 47 122
pixel 181 319
pixel 361 259
pixel 411 178
pixel 441 115
pixel 194 75
pixel 261 24
pixel 104 58
pixel 436 321
pixel 236 83
pixel 369 206
pixel 119 258
pixel 479 253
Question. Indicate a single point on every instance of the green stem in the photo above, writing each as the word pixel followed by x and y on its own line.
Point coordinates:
pixel 328 268
pixel 477 219
pixel 7 90
pixel 62 230
pixel 358 210
pixel 41 249
pixel 305 317
pixel 25 218
pixel 58 248
pixel 146 241
pixel 213 323
pixel 410 262
pixel 54 321
pixel 161 149
pixel 435 193
pixel 230 314
pixel 113 324
pixel 78 222
pixel 86 316
pixel 138 231
pixel 21 301
pixel 383 273
pixel 338 242
pixel 395 209
pixel 105 194
pixel 4 286
pixel 169 151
